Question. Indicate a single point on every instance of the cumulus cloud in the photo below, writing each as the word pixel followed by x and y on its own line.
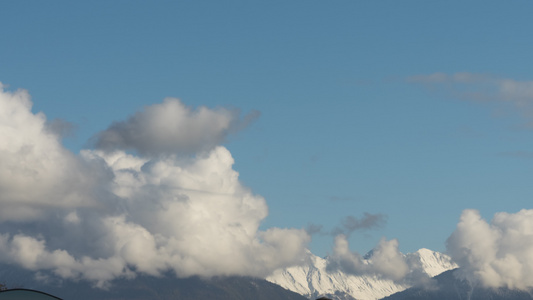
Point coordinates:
pixel 386 260
pixel 171 127
pixel 106 213
pixel 36 173
pixel 482 88
pixel 495 254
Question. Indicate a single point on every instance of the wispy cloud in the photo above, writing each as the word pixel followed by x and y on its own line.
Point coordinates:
pixel 313 228
pixel 483 88
pixel 350 224
pixel 61 127
pixel 369 221
pixel 518 154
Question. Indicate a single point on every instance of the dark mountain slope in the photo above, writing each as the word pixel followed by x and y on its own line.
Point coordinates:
pixel 149 287
pixel 448 287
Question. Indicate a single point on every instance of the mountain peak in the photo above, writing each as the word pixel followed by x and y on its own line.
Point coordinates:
pixel 425 251
pixel 433 262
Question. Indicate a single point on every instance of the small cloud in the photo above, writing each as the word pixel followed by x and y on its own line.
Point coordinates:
pixel 482 88
pixel 313 229
pixel 173 128
pixel 61 128
pixel 369 221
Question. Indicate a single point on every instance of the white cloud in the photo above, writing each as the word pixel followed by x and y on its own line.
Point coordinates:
pixel 106 214
pixel 495 254
pixel 345 260
pixel 36 172
pixel 172 128
pixel 386 260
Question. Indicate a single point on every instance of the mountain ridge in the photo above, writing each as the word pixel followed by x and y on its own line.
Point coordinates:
pixel 142 287
pixel 313 280
pixel 310 280
pixel 448 286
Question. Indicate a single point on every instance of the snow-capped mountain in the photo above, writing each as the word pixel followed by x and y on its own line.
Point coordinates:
pixel 312 280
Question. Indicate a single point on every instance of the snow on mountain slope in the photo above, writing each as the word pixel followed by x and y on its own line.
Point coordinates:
pixel 312 280
pixel 433 263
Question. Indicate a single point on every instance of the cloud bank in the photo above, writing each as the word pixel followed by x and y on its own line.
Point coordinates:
pixel 106 213
pixel 495 254
pixel 177 204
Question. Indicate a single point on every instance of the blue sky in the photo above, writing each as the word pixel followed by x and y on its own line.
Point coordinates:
pixel 350 119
